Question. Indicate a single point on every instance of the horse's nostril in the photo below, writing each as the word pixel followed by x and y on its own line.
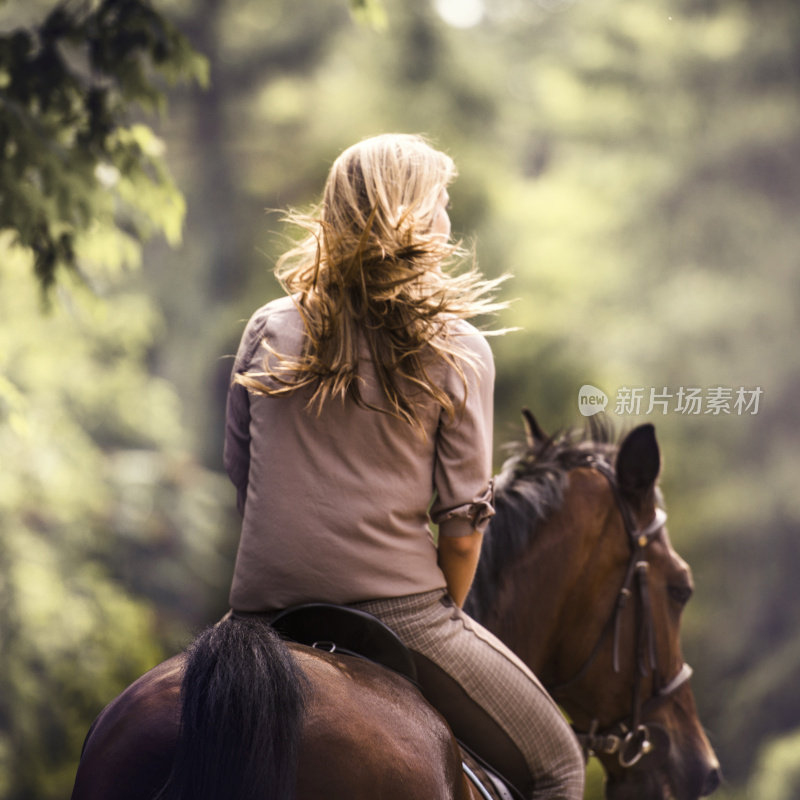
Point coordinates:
pixel 712 782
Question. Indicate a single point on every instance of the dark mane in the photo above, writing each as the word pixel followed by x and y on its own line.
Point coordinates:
pixel 528 489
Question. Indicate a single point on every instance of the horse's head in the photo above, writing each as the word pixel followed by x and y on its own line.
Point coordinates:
pixel 663 751
pixel 606 612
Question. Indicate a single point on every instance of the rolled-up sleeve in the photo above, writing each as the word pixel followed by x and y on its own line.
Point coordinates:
pixel 462 470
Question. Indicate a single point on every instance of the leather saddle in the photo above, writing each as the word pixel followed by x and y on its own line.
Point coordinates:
pixel 339 629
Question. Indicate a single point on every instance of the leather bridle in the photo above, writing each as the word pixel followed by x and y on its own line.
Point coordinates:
pixel 631 738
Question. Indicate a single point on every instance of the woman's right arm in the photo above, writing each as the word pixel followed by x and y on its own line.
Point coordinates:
pixel 462 474
pixel 458 559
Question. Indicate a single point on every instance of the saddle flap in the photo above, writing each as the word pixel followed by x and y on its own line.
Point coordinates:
pixel 351 631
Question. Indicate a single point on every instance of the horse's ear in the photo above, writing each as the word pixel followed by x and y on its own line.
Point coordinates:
pixel 638 461
pixel 533 431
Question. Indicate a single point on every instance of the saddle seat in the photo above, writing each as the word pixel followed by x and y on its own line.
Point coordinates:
pixel 339 629
pixel 346 630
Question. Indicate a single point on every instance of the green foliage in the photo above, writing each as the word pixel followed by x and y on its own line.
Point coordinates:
pixel 369 12
pixel 777 774
pixel 102 514
pixel 69 157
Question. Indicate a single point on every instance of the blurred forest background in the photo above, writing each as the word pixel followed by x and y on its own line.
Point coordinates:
pixel 635 166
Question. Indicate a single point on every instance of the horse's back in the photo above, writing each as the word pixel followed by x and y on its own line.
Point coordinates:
pixel 128 751
pixel 367 733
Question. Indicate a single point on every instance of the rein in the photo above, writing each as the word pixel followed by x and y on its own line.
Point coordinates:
pixel 631 739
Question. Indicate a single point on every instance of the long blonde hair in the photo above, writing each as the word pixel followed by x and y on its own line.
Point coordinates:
pixel 370 270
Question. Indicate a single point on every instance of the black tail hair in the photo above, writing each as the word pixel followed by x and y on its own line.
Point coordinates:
pixel 241 716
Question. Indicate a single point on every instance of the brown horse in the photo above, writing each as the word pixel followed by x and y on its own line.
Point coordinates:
pixel 578 576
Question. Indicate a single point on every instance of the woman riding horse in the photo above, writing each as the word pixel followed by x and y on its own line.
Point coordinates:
pixel 361 408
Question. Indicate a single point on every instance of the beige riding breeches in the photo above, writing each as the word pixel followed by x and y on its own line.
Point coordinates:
pixel 490 698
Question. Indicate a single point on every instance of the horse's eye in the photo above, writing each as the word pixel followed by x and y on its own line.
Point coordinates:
pixel 680 594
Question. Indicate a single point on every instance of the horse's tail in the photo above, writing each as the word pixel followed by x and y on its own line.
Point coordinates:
pixel 241 716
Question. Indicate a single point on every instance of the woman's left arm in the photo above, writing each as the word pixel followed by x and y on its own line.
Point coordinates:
pixel 236 452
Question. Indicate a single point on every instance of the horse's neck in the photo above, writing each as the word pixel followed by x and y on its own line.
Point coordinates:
pixel 527 614
pixel 543 592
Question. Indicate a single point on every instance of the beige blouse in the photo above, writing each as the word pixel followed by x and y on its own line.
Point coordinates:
pixel 336 505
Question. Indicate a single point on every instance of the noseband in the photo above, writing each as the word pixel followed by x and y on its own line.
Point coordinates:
pixel 630 739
